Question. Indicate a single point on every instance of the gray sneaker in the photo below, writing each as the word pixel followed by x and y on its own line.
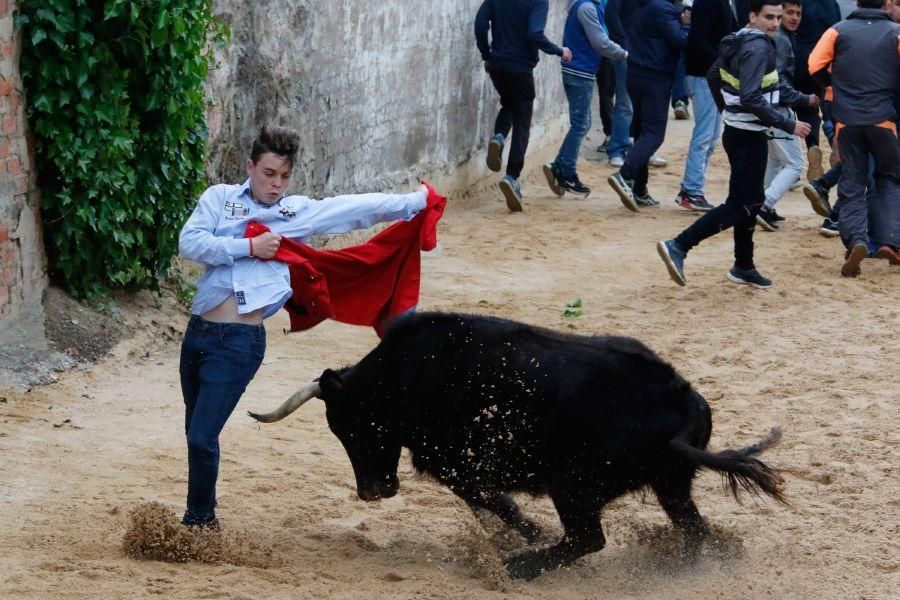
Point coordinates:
pixel 625 190
pixel 512 193
pixel 750 277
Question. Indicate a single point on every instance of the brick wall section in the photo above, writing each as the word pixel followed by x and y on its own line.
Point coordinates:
pixel 22 274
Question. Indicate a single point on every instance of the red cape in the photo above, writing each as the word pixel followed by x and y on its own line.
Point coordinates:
pixel 361 285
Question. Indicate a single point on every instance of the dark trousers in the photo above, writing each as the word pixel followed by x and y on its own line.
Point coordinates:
pixel 855 145
pixel 803 82
pixel 650 97
pixel 516 105
pixel 748 152
pixel 218 360
pixel 606 90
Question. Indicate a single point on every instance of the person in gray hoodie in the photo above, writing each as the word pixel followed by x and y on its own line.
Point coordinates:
pixel 747 89
pixel 586 36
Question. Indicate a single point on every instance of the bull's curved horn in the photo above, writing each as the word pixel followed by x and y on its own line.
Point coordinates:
pixel 293 403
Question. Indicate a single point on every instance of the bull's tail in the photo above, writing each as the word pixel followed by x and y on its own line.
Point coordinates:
pixel 738 467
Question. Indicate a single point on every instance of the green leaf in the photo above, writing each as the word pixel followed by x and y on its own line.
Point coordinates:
pixel 38 36
pixel 572 313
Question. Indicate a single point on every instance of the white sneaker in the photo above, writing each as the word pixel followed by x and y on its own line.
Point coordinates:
pixel 616 161
pixel 658 161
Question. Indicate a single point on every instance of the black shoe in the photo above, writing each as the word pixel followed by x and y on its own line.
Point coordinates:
pixel 552 177
pixel 766 219
pixel 692 202
pixel 604 146
pixel 673 257
pixel 645 199
pixel 776 216
pixel 571 183
pixel 829 228
pixel 750 277
pixel 855 256
pixel 202 528
pixel 818 198
pixel 625 190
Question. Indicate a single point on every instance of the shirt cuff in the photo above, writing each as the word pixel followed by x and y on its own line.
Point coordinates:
pixel 240 247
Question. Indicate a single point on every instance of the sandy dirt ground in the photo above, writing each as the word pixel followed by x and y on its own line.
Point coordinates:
pixel 816 354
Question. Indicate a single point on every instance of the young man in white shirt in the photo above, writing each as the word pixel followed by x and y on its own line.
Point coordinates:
pixel 225 339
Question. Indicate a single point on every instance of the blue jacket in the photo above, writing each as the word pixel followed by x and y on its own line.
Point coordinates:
pixel 517 33
pixel 586 36
pixel 656 39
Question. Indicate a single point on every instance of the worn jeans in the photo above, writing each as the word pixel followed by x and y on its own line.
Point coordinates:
pixel 747 153
pixel 619 142
pixel 516 92
pixel 579 93
pixel 218 360
pixel 784 167
pixel 707 127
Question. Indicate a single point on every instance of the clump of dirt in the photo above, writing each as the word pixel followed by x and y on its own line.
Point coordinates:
pixel 155 533
pixel 483 559
pixel 81 332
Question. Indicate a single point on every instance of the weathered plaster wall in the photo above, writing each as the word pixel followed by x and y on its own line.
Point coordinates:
pixel 22 277
pixel 381 92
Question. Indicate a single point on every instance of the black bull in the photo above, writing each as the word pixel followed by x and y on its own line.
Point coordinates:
pixel 489 406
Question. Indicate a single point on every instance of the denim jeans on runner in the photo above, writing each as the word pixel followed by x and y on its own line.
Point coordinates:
pixel 707 127
pixel 218 360
pixel 784 167
pixel 579 92
pixel 619 143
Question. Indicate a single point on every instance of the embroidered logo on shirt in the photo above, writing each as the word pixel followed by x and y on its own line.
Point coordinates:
pixel 286 213
pixel 235 210
pixel 240 298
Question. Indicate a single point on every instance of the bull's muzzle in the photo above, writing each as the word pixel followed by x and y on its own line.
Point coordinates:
pixel 293 403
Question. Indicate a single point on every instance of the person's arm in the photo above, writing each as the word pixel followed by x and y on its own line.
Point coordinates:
pixel 346 213
pixel 537 20
pixel 821 57
pixel 199 243
pixel 483 19
pixel 614 21
pixel 672 30
pixel 790 96
pixel 751 73
pixel 590 21
pixel 703 17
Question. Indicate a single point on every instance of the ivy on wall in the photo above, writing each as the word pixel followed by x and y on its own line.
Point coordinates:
pixel 116 106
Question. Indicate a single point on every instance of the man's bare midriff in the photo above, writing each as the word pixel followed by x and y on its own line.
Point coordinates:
pixel 227 312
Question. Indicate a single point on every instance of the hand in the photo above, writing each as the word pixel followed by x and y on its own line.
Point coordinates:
pixel 801 129
pixel 422 189
pixel 487 66
pixel 567 55
pixel 265 245
pixel 813 100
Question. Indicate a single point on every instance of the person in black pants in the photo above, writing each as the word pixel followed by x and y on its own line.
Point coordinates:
pixel 743 81
pixel 606 91
pixel 517 33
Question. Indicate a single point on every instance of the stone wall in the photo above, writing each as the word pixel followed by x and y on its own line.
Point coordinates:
pixel 22 277
pixel 382 92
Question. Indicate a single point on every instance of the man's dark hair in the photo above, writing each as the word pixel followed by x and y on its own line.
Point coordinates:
pixel 870 3
pixel 278 140
pixel 757 5
pixel 794 2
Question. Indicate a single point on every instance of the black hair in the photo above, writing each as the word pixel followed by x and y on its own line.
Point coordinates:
pixel 757 5
pixel 278 140
pixel 794 2
pixel 870 3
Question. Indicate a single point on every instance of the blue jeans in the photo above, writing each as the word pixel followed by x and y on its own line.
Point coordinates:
pixel 707 127
pixel 579 93
pixel 619 143
pixel 679 86
pixel 218 360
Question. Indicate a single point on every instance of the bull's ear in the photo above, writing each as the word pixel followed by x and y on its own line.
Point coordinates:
pixel 330 382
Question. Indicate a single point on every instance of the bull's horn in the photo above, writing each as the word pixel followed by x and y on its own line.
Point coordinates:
pixel 293 403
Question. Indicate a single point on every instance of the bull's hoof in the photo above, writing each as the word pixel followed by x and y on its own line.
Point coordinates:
pixel 531 532
pixel 526 566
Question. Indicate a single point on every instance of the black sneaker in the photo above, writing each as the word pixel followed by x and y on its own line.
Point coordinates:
pixel 818 198
pixel 495 153
pixel 645 199
pixel 625 190
pixel 692 202
pixel 855 256
pixel 750 277
pixel 829 228
pixel 766 220
pixel 604 146
pixel 673 256
pixel 778 218
pixel 571 183
pixel 210 526
pixel 553 180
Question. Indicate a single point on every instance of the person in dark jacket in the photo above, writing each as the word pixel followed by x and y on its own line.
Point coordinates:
pixel 711 20
pixel 747 88
pixel 858 58
pixel 517 34
pixel 818 16
pixel 655 41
